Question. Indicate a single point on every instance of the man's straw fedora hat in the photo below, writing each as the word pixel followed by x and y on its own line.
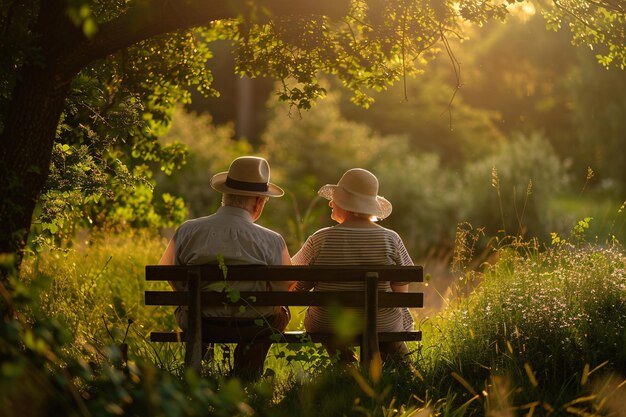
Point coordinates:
pixel 247 175
pixel 357 191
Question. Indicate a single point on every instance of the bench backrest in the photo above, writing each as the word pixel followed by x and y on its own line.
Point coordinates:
pixel 213 273
pixel 370 299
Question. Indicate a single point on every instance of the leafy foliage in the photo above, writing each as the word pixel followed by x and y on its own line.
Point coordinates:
pixel 39 377
pixel 374 45
pixel 594 24
pixel 107 151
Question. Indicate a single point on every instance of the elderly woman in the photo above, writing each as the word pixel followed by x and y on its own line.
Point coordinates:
pixel 356 240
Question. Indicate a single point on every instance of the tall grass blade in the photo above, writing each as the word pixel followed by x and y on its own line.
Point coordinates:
pixel 531 375
pixel 463 382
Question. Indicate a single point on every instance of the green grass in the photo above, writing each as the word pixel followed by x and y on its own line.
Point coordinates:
pixel 544 333
pixel 97 288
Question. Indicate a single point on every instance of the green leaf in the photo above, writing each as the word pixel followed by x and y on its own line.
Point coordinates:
pixel 53 228
pixel 90 28
pixel 233 295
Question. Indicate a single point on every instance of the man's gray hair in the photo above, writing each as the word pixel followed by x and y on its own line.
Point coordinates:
pixel 241 201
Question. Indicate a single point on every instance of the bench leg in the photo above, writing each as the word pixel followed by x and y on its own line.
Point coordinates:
pixel 193 351
pixel 369 344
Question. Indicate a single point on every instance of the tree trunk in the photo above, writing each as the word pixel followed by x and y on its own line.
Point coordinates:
pixel 29 132
pixel 26 145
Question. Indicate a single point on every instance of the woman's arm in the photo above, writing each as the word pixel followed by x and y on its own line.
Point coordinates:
pixel 402 258
pixel 400 288
pixel 284 285
pixel 304 256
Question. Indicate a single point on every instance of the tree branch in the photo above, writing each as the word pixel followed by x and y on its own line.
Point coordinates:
pixel 147 18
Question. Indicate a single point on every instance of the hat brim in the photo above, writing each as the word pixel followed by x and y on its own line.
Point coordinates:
pixel 218 183
pixel 383 209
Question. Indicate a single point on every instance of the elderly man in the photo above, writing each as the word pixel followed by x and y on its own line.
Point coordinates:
pixel 232 235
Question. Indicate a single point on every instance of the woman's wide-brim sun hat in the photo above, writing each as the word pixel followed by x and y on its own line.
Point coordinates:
pixel 357 191
pixel 247 175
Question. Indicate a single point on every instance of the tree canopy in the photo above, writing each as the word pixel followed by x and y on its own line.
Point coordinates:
pixel 88 85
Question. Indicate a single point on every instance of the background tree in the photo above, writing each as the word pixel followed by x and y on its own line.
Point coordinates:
pixel 424 194
pixel 211 149
pixel 600 129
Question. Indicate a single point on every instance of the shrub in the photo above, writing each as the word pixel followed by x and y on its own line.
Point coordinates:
pixel 38 377
pixel 210 149
pixel 510 190
pixel 317 148
pixel 426 196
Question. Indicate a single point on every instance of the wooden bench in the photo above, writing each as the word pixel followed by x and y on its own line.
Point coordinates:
pixel 370 300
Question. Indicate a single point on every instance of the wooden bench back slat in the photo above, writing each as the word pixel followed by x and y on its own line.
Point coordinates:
pixel 289 337
pixel 279 298
pixel 391 273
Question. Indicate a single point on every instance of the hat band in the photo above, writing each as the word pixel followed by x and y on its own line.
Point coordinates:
pixel 246 186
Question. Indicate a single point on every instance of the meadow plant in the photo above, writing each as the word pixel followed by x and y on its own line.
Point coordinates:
pixel 537 319
pixel 97 288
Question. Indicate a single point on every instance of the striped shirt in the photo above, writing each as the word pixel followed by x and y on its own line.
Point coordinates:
pixel 339 246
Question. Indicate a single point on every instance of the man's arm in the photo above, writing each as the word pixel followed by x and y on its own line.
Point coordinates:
pixel 168 259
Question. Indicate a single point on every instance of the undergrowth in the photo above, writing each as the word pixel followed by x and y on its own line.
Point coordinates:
pixel 542 333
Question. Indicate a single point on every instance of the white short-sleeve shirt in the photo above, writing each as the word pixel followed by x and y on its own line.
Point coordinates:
pixel 231 234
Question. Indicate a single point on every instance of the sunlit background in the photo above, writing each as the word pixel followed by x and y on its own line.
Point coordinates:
pixel 525 140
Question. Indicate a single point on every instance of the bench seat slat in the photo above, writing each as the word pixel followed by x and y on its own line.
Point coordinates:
pixel 278 298
pixel 289 337
pixel 286 273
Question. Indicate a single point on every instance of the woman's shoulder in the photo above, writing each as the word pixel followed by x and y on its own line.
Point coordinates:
pixel 391 234
pixel 390 231
pixel 324 230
